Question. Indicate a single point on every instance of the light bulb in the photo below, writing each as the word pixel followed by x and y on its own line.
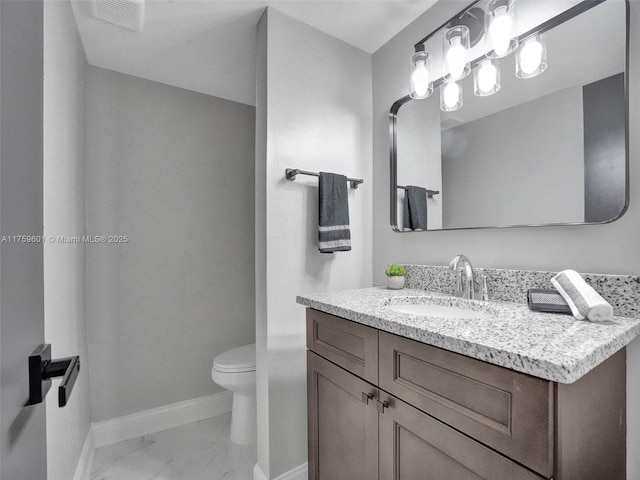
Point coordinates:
pixel 456 58
pixel 455 46
pixel 419 73
pixel 487 77
pixel 530 57
pixel 420 79
pixel 451 96
pixel 500 31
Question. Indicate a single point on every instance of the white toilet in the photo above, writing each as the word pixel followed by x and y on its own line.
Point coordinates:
pixel 235 370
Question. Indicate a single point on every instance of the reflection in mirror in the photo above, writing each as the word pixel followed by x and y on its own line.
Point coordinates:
pixel 533 142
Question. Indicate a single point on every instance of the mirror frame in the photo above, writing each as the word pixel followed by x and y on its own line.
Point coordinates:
pixel 543 27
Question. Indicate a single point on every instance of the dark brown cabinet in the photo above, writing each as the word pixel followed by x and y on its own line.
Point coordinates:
pixel 387 407
pixel 343 423
pixel 508 411
pixel 415 446
pixel 350 345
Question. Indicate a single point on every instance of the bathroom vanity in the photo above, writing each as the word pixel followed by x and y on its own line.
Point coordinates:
pixel 505 394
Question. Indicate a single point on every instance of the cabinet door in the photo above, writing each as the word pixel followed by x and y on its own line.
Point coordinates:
pixel 415 446
pixel 343 423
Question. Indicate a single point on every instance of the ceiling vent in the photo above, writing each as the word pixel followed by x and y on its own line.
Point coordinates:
pixel 124 13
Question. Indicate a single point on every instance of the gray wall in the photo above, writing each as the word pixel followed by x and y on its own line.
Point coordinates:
pixel 611 248
pixel 64 214
pixel 172 170
pixel 317 95
pixel 533 186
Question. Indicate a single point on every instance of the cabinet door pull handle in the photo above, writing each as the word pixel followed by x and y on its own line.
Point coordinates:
pixel 382 405
pixel 366 397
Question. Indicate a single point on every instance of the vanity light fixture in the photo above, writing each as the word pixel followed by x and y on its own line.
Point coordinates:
pixel 531 59
pixel 488 23
pixel 421 85
pixel 455 46
pixel 500 28
pixel 486 78
pixel 450 96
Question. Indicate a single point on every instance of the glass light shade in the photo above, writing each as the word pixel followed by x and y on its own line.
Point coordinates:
pixel 450 96
pixel 486 78
pixel 500 24
pixel 531 59
pixel 455 47
pixel 420 74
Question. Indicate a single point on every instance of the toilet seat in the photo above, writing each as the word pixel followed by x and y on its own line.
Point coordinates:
pixel 238 360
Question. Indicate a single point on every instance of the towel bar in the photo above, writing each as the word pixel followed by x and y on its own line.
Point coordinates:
pixel 430 193
pixel 290 174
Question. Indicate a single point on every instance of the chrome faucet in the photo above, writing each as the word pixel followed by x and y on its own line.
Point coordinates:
pixel 465 288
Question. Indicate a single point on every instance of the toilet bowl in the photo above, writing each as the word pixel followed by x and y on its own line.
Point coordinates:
pixel 235 370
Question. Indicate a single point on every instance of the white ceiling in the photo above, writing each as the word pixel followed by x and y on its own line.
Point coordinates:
pixel 208 45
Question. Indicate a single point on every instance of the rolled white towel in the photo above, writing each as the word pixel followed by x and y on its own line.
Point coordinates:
pixel 583 300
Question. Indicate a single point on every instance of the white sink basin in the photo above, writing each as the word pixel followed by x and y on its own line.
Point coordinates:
pixel 441 311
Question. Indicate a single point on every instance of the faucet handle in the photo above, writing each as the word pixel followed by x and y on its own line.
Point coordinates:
pixel 484 288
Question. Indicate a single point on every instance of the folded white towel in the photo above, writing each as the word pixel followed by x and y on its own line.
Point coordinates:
pixel 583 300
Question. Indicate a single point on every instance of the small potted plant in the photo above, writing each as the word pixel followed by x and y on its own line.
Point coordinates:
pixel 395 276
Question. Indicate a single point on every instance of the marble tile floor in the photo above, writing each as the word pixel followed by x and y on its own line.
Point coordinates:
pixel 197 451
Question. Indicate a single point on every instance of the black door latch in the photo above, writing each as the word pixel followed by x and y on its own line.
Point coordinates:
pixel 42 369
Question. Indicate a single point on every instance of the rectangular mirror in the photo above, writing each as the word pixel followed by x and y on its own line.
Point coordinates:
pixel 534 136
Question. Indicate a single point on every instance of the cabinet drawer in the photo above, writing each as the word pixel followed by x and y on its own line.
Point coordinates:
pixel 352 346
pixel 506 410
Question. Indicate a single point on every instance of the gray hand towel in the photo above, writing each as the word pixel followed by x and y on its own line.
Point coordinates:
pixel 333 219
pixel 415 208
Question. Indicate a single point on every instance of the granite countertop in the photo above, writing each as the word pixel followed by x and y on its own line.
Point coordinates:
pixel 550 346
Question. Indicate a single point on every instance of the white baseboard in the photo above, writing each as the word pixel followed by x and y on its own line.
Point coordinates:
pixel 299 473
pixel 161 418
pixel 85 463
pixel 258 474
